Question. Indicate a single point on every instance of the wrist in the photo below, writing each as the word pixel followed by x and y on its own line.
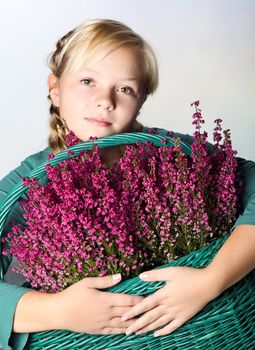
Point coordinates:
pixel 214 285
pixel 56 311
pixel 62 310
pixel 37 311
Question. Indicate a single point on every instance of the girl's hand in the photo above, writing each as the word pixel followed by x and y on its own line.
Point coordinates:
pixel 186 292
pixel 85 309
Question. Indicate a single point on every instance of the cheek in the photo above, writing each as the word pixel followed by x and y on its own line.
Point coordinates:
pixel 131 107
pixel 69 104
pixel 128 117
pixel 134 110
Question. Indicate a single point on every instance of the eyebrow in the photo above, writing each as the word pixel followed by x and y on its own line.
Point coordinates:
pixel 83 71
pixel 132 79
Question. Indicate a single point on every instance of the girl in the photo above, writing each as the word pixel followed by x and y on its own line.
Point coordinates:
pixel 101 74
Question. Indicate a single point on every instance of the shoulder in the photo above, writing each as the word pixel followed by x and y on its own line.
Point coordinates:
pixel 35 159
pixel 27 165
pixel 30 162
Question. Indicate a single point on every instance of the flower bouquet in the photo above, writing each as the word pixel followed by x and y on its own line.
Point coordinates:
pixel 162 203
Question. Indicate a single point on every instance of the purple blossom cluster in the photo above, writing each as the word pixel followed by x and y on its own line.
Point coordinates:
pixel 156 204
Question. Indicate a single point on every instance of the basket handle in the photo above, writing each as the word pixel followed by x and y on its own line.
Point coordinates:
pixel 39 171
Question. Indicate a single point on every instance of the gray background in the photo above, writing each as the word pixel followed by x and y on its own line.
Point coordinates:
pixel 205 51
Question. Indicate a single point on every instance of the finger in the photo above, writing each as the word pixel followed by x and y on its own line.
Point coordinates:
pixel 171 327
pixel 102 282
pixel 147 304
pixel 109 330
pixel 119 311
pixel 116 322
pixel 162 321
pixel 121 299
pixel 116 326
pixel 145 320
pixel 163 274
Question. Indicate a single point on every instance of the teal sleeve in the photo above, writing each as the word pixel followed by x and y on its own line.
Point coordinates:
pixel 247 171
pixel 9 297
pixel 11 293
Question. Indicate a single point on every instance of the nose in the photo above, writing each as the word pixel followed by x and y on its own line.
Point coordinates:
pixel 105 100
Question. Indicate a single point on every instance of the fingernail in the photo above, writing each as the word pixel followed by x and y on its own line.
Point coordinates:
pixel 156 334
pixel 128 332
pixel 124 317
pixel 143 276
pixel 116 277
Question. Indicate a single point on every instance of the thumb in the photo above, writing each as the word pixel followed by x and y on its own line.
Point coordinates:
pixel 103 282
pixel 163 274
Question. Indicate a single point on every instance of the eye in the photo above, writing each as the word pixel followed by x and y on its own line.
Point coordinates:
pixel 126 90
pixel 86 81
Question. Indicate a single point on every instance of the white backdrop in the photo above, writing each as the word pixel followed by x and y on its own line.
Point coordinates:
pixel 205 49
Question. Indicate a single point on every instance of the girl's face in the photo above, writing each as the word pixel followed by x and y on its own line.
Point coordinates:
pixel 102 98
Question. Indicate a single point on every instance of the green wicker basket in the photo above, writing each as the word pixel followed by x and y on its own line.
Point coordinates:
pixel 225 323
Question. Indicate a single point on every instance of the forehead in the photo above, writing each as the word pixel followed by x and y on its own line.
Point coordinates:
pixel 122 61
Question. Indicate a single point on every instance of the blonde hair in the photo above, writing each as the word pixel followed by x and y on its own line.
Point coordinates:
pixel 92 41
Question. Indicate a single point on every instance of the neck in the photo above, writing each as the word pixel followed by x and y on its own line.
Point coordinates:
pixel 112 154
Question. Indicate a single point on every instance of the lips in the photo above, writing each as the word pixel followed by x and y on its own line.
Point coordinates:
pixel 98 121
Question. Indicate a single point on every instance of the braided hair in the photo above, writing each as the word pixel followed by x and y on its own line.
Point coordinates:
pixel 57 125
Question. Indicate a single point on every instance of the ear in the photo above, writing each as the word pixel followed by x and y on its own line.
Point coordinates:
pixel 53 86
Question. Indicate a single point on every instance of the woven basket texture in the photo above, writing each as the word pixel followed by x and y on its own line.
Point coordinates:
pixel 227 322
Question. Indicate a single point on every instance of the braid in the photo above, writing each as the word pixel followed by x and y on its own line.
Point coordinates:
pixel 56 60
pixel 57 137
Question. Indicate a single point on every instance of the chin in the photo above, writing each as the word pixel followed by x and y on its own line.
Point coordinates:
pixel 97 134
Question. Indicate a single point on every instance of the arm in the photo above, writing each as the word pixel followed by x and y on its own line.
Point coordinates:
pixel 10 294
pixel 9 297
pixel 239 250
pixel 240 246
pixel 79 308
